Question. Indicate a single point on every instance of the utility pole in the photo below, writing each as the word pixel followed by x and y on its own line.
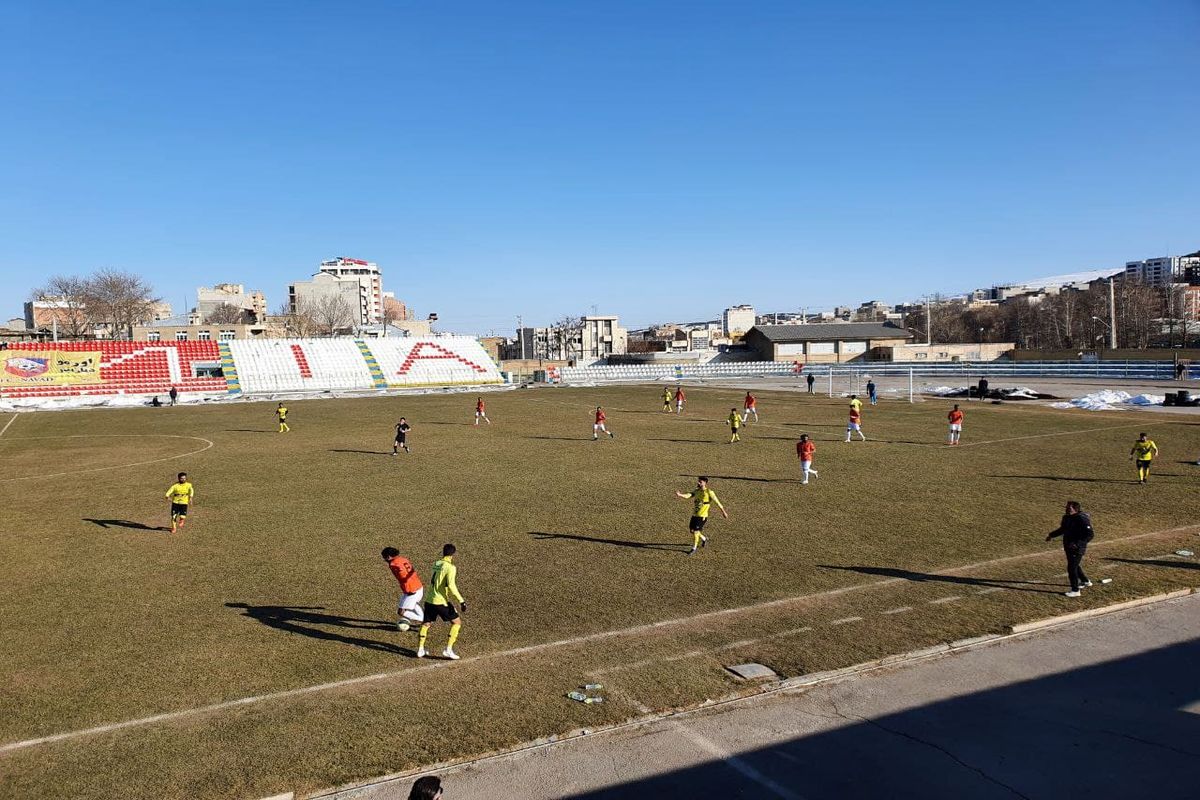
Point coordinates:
pixel 928 323
pixel 1112 316
pixel 521 337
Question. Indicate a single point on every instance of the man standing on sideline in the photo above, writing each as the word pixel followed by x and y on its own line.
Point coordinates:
pixel 804 450
pixel 871 395
pixel 402 429
pixel 1144 450
pixel 751 405
pixel 181 494
pixel 702 499
pixel 409 608
pixel 810 379
pixel 1076 531
pixel 174 394
pixel 956 418
pixel 443 588
pixel 983 389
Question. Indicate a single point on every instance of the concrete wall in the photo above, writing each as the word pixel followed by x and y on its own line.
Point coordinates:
pixel 940 353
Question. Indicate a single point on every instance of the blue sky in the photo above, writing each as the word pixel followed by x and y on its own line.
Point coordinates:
pixel 659 160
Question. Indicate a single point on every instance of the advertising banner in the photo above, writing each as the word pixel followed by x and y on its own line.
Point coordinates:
pixel 49 367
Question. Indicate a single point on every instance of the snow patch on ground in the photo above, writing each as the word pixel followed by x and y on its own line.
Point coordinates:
pixel 1110 400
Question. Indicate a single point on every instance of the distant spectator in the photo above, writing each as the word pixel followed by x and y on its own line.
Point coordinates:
pixel 156 402
pixel 174 395
pixel 1180 370
pixel 983 388
pixel 871 394
pixel 811 380
pixel 426 788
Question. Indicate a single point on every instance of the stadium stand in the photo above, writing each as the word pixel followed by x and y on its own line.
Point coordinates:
pixel 70 369
pixel 300 365
pixel 444 361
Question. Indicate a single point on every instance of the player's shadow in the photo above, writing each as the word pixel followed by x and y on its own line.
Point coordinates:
pixel 125 523
pixel 1151 562
pixel 305 621
pixel 676 548
pixel 742 478
pixel 249 430
pixel 559 438
pixel 364 452
pixel 933 577
pixel 1064 478
pixel 684 441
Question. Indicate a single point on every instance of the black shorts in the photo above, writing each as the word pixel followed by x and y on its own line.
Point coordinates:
pixel 179 509
pixel 1143 462
pixel 400 438
pixel 434 612
pixel 697 524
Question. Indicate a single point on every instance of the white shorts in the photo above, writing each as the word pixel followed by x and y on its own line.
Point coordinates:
pixel 411 602
pixel 480 414
pixel 955 427
pixel 805 465
pixel 599 426
pixel 853 426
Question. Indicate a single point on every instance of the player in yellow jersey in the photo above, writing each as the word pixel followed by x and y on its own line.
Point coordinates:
pixel 734 420
pixel 666 400
pixel 1143 452
pixel 281 412
pixel 703 499
pixel 181 495
pixel 442 589
pixel 855 403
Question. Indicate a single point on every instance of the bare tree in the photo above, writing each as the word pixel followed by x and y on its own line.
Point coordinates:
pixel 331 314
pixel 66 296
pixel 120 300
pixel 297 323
pixel 227 314
pixel 566 337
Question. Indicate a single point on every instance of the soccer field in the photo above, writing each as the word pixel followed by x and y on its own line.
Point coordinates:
pixel 264 630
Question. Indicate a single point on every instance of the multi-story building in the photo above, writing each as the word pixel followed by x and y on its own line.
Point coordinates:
pixel 736 320
pixel 358 282
pixel 209 299
pixel 601 336
pixel 1156 271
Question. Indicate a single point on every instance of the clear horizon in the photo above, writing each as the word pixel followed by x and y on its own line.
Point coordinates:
pixel 656 160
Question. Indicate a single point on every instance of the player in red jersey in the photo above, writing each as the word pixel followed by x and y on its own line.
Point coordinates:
pixel 956 421
pixel 680 400
pixel 599 427
pixel 409 608
pixel 751 407
pixel 480 413
pixel 804 451
pixel 855 424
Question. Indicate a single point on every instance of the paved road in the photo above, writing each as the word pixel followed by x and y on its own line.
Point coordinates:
pixel 1105 708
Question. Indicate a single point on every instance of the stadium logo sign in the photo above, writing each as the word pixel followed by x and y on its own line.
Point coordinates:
pixel 26 367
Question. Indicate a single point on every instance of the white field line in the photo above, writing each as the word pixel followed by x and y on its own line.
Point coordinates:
pixel 900 610
pixel 207 445
pixel 845 621
pixel 952 598
pixel 8 424
pixel 538 648
pixel 733 762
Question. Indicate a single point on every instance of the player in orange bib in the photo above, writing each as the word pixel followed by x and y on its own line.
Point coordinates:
pixel 751 407
pixel 480 413
pixel 804 451
pixel 956 418
pixel 855 424
pixel 599 426
pixel 409 608
pixel 680 400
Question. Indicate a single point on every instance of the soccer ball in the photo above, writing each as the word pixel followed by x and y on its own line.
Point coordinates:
pixel 401 626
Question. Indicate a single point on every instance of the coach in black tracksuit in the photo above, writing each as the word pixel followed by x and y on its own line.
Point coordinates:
pixel 1076 531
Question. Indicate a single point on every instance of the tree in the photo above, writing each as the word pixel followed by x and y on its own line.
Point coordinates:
pixel 330 313
pixel 226 314
pixel 120 300
pixel 297 323
pixel 67 297
pixel 566 337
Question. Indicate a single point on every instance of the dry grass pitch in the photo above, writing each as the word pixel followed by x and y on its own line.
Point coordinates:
pixel 571 556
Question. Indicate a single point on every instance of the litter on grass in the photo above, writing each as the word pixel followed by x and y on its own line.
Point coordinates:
pixel 1184 553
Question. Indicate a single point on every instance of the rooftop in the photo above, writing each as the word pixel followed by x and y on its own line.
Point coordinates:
pixel 831 331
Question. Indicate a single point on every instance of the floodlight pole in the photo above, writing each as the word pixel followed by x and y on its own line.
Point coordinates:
pixel 910 384
pixel 1112 316
pixel 831 381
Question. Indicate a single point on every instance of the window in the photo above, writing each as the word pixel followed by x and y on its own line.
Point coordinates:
pixel 153 336
pixel 226 336
pixel 821 348
pixel 181 336
pixel 789 350
pixel 204 336
pixel 854 347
